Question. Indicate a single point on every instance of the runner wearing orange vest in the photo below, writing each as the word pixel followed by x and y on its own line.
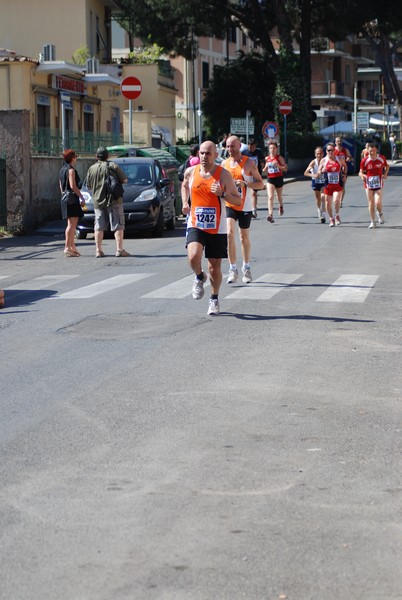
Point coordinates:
pixel 246 176
pixel 206 187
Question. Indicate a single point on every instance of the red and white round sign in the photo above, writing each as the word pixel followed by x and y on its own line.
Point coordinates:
pixel 285 107
pixel 131 87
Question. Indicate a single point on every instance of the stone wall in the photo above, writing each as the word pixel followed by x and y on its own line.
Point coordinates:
pixel 33 194
pixel 45 190
pixel 15 146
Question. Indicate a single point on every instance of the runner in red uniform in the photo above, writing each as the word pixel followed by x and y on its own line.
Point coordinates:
pixel 344 155
pixel 373 171
pixel 275 167
pixel 208 186
pixel 335 174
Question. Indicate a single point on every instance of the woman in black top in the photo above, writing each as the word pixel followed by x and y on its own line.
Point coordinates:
pixel 70 180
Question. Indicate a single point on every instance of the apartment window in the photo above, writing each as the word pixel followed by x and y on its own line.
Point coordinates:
pixel 43 111
pixel 244 39
pixel 232 33
pixel 91 33
pixel 347 74
pixel 205 74
pixel 97 36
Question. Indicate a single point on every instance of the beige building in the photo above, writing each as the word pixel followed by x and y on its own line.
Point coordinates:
pixel 29 27
pixel 73 105
pixel 193 77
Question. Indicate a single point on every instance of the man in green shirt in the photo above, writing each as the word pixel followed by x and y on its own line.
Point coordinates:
pixel 107 211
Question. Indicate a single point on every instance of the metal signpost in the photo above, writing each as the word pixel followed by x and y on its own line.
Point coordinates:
pixel 285 108
pixel 131 88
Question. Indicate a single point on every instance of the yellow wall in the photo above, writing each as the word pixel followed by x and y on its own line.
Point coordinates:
pixel 15 85
pixel 67 26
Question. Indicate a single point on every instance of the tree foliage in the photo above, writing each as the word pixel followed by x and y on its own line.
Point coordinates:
pixel 224 98
pixel 175 24
pixel 146 54
pixel 81 55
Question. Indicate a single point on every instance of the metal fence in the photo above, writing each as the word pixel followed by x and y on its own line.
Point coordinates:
pixel 49 141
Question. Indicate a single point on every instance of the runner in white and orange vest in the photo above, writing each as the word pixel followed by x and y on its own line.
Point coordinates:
pixel 204 190
pixel 246 176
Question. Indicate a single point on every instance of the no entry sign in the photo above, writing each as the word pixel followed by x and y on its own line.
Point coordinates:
pixel 131 87
pixel 285 107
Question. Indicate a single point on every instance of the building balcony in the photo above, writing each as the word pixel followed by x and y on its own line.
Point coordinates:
pixel 330 88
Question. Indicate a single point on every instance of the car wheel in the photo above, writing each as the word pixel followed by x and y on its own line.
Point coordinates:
pixel 160 225
pixel 80 235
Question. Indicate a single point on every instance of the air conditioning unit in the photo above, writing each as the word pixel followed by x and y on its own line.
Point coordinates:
pixel 92 65
pixel 49 52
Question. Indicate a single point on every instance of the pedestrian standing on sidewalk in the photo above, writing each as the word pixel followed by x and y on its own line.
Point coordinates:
pixel 107 211
pixel 204 190
pixel 69 180
pixel 275 167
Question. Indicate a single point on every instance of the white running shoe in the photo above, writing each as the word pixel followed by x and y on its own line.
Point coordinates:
pixel 233 275
pixel 337 220
pixel 380 217
pixel 332 223
pixel 247 278
pixel 213 307
pixel 372 225
pixel 198 287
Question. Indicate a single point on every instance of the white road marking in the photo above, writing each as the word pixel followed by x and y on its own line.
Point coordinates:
pixel 264 287
pixel 349 288
pixel 178 289
pixel 89 291
pixel 40 283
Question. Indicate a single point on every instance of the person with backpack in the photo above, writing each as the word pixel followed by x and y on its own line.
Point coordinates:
pixel 104 179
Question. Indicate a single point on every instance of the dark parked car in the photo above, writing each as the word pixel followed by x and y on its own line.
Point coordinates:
pixel 149 202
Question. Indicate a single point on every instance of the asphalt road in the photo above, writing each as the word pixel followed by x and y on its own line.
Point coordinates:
pixel 150 452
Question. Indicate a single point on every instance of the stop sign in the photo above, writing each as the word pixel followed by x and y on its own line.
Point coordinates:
pixel 131 87
pixel 285 107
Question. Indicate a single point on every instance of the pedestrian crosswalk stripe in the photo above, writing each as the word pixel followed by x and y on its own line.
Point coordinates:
pixel 89 291
pixel 264 287
pixel 349 288
pixel 178 289
pixel 40 283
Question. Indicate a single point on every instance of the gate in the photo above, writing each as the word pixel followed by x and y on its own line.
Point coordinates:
pixel 3 193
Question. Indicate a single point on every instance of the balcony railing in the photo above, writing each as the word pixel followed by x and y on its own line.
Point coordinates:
pixel 327 88
pixel 49 141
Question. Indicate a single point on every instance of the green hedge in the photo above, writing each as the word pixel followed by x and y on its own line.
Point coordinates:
pixel 301 145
